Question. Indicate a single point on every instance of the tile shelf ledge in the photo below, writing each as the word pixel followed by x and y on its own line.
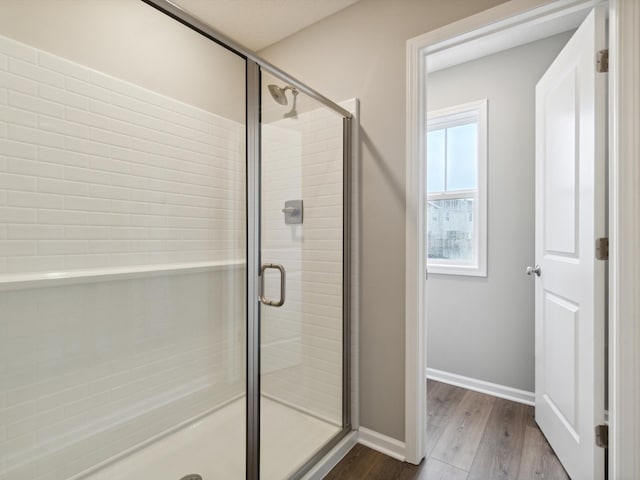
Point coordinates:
pixel 19 281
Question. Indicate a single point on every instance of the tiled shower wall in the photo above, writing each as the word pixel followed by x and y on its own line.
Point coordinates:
pixel 302 341
pixel 97 173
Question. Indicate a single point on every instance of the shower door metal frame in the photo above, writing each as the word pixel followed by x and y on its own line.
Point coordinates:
pixel 253 389
pixel 254 66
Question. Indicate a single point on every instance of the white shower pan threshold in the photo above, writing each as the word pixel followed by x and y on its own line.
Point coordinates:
pixel 214 447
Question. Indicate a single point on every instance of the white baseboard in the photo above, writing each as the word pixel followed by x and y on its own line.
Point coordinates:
pixel 501 391
pixel 381 443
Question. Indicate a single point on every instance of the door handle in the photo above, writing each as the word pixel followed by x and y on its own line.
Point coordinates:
pixel 283 284
pixel 531 270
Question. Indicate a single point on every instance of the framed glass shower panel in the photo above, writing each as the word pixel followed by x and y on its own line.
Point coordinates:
pixel 122 245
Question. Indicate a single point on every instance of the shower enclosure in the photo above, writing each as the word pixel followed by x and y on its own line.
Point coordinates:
pixel 174 251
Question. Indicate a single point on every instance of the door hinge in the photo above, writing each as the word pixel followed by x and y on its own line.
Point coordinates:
pixel 602 436
pixel 602 61
pixel 602 248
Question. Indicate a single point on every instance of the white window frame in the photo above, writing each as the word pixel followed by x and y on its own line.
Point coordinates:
pixel 447 118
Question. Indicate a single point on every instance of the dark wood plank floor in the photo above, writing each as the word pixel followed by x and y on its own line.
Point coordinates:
pixel 471 436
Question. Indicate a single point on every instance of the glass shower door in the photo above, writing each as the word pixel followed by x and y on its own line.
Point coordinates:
pixel 302 343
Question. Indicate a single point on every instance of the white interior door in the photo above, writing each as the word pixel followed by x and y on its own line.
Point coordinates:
pixel 570 209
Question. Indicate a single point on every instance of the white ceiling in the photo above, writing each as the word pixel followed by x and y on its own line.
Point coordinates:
pixel 256 24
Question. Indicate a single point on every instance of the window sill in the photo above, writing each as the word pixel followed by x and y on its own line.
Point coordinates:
pixel 471 271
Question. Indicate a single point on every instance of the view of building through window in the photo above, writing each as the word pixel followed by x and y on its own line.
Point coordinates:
pixel 450 228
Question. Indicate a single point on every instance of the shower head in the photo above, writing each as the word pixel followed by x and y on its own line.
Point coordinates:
pixel 278 93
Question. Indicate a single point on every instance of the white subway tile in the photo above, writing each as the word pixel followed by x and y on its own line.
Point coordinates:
pixel 87 146
pixel 17 182
pixel 62 187
pixel 98 218
pixel 86 118
pixel 120 206
pixel 147 220
pixel 63 66
pixel 35 136
pixel 61 217
pixel 121 110
pixel 110 138
pixel 63 127
pixel 86 89
pixel 87 204
pixel 128 233
pixel 135 156
pixel 17 149
pixel 103 191
pixel 33 72
pixel 148 196
pixel 12 248
pixel 109 246
pixel 18 84
pixel 4 96
pixel 86 232
pixel 108 165
pixel 34 232
pixel 87 261
pixel 17 116
pixel 63 97
pixel 34 167
pixel 62 247
pixel 63 157
pixel 17 215
pixel 38 200
pixel 3 61
pixel 34 104
pixel 86 175
pixel 145 133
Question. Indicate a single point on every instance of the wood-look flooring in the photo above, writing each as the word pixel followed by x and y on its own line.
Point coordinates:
pixel 470 436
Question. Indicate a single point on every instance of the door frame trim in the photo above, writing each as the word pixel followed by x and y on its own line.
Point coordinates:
pixel 624 208
pixel 624 261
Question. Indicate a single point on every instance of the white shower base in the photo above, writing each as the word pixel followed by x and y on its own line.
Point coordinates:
pixel 214 446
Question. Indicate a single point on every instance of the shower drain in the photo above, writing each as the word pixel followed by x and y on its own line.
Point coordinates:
pixel 192 476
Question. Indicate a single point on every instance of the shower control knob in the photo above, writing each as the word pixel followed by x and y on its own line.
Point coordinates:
pixel 531 270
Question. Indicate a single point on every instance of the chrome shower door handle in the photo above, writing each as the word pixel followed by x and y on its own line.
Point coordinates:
pixel 531 270
pixel 283 284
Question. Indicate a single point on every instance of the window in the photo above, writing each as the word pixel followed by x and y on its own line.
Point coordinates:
pixel 456 190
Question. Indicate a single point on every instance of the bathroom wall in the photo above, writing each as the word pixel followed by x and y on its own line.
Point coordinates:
pixel 490 335
pixel 138 199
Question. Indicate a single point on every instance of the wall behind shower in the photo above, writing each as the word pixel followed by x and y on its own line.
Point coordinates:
pixel 98 176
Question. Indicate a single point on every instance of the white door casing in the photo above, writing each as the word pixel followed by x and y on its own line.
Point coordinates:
pixel 570 215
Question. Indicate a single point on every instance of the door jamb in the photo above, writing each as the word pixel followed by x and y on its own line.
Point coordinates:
pixel 624 211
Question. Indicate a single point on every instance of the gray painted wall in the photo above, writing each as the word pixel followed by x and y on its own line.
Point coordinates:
pixel 483 328
pixel 360 52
